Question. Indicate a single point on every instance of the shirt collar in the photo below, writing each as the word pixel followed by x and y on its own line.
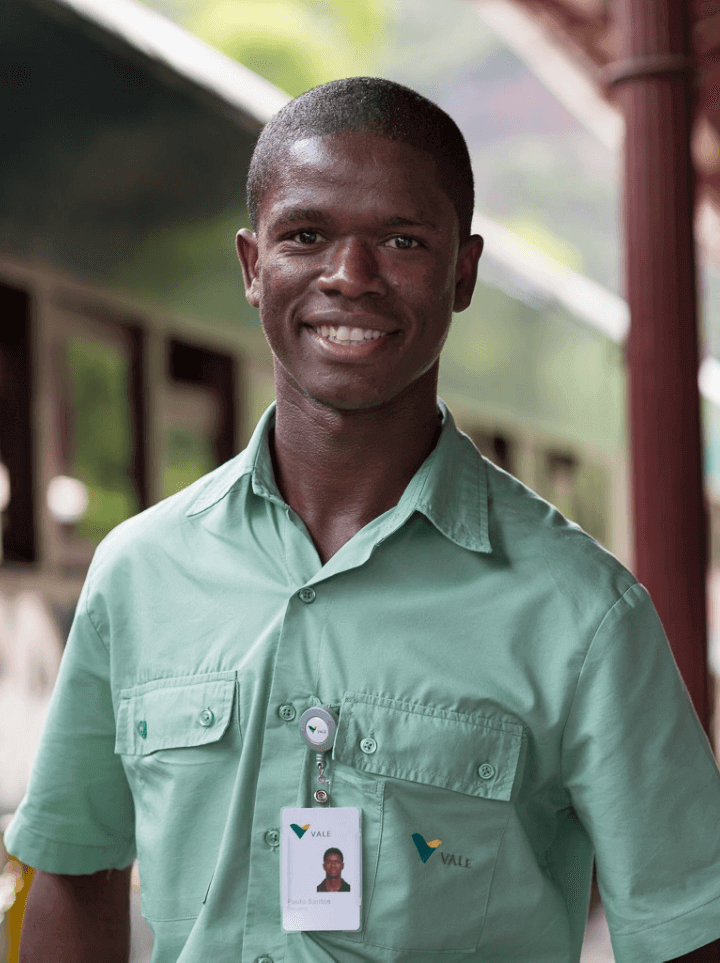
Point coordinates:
pixel 454 492
pixel 450 488
pixel 254 461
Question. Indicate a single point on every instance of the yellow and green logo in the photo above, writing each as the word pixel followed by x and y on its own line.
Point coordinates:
pixel 425 849
pixel 299 830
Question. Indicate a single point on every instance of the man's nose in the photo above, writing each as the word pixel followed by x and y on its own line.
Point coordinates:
pixel 352 271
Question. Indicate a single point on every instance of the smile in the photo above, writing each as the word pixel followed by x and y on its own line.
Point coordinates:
pixel 346 335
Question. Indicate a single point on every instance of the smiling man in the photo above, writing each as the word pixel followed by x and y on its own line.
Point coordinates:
pixel 506 705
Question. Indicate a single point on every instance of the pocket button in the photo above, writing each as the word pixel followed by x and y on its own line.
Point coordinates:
pixel 142 729
pixel 207 717
pixel 287 712
pixel 486 771
pixel 368 746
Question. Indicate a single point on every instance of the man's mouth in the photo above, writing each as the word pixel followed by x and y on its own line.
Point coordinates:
pixel 346 335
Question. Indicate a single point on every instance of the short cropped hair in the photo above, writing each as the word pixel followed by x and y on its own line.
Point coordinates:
pixel 333 851
pixel 367 104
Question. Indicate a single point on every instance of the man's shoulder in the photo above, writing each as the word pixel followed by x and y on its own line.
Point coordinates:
pixel 531 532
pixel 162 526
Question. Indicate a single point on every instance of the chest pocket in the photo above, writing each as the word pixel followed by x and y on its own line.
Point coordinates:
pixel 180 745
pixel 446 782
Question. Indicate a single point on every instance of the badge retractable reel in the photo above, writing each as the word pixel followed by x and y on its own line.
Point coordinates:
pixel 317 728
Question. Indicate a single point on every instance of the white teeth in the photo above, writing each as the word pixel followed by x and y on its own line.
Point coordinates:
pixel 345 335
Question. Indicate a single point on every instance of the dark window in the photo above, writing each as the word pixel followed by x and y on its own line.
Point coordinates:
pixel 100 437
pixel 16 450
pixel 199 421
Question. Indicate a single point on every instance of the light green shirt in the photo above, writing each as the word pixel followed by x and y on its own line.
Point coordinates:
pixel 503 685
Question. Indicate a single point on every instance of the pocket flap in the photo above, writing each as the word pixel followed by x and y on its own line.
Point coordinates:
pixel 465 753
pixel 172 713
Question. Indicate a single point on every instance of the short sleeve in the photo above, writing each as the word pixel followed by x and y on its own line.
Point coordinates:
pixel 77 816
pixel 646 787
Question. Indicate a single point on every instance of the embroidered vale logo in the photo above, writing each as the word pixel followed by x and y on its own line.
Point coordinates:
pixel 424 849
pixel 299 830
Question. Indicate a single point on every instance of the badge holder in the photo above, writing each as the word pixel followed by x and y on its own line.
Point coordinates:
pixel 320 853
pixel 317 730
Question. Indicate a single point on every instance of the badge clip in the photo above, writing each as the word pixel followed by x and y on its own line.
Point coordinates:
pixel 317 729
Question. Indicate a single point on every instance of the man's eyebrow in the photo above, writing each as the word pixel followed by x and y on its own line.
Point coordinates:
pixel 301 214
pixel 400 220
pixel 316 216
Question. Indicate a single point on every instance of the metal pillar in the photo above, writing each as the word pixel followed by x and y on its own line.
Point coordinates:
pixel 670 524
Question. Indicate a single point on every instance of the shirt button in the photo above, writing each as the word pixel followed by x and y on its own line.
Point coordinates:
pixel 486 771
pixel 307 595
pixel 368 746
pixel 142 729
pixel 207 717
pixel 264 959
pixel 287 712
pixel 272 838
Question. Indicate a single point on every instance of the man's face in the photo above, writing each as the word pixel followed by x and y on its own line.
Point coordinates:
pixel 356 269
pixel 333 866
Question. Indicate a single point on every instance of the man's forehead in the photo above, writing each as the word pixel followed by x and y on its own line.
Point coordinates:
pixel 325 150
pixel 357 161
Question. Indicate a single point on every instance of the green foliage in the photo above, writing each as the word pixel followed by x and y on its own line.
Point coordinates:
pixel 188 456
pixel 296 44
pixel 101 433
pixel 191 269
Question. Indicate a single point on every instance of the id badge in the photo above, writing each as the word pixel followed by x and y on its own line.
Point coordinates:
pixel 320 871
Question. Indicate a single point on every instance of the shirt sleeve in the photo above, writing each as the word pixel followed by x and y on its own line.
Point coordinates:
pixel 77 816
pixel 646 787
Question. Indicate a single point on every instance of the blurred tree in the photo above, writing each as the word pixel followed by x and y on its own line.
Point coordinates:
pixel 296 44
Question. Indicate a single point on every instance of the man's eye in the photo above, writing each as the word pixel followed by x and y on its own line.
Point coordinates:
pixel 403 243
pixel 306 237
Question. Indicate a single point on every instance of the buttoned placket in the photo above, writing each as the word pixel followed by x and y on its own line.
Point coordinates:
pixel 284 774
pixel 283 754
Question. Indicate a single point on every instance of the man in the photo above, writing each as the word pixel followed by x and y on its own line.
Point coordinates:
pixel 507 704
pixel 333 864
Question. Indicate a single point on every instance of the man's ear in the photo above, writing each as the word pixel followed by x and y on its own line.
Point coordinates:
pixel 466 271
pixel 247 248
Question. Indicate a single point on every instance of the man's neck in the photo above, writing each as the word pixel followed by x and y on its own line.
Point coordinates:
pixel 340 470
pixel 333 885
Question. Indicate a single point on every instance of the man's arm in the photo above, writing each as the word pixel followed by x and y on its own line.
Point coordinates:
pixel 704 954
pixel 77 919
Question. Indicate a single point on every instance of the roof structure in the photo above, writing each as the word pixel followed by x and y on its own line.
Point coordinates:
pixel 168 45
pixel 119 125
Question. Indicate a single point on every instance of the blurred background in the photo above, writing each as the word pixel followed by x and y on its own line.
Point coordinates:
pixel 130 363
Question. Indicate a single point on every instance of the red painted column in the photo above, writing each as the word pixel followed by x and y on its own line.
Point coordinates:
pixel 655 92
